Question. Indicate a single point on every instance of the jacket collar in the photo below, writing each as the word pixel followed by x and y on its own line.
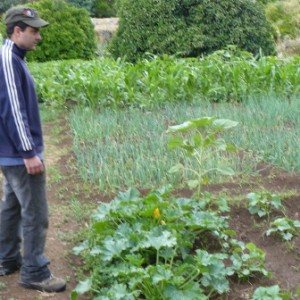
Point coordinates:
pixel 15 49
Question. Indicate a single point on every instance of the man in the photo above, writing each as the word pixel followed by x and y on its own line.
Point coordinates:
pixel 24 210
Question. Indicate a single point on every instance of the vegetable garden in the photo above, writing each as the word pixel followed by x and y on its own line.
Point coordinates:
pixel 173 175
pixel 156 136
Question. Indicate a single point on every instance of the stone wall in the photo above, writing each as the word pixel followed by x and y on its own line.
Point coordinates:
pixel 105 28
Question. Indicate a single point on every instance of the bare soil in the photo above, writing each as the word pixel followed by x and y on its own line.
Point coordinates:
pixel 282 259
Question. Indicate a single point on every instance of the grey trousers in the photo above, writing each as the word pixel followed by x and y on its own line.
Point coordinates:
pixel 24 217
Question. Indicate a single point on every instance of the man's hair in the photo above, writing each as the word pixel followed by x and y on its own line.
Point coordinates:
pixel 10 27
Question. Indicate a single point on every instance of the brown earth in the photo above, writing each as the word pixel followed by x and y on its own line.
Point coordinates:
pixel 282 259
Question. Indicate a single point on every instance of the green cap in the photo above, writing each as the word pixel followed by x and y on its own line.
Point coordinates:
pixel 25 14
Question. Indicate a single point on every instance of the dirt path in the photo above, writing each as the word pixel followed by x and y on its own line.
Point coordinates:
pixel 58 247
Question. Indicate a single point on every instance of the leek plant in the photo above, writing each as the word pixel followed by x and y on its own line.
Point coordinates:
pixel 121 148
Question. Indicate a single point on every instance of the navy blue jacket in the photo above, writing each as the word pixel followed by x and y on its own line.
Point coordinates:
pixel 20 125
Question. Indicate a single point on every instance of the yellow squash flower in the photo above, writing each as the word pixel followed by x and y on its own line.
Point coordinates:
pixel 156 213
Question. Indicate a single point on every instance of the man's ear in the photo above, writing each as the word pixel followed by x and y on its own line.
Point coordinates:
pixel 17 30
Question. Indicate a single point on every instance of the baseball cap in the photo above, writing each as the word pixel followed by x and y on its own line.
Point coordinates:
pixel 25 14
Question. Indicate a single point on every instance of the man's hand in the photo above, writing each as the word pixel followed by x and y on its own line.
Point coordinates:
pixel 34 165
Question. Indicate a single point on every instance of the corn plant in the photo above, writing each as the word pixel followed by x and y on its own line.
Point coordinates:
pixel 200 138
pixel 220 77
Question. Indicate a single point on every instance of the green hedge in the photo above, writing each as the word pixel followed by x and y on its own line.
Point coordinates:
pixel 284 16
pixel 70 35
pixel 189 28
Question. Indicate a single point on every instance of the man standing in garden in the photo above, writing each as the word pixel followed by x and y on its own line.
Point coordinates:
pixel 24 209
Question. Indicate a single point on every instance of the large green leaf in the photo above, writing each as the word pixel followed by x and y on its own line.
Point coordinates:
pixel 120 292
pixel 203 122
pixel 267 293
pixel 130 194
pixel 83 286
pixel 226 171
pixel 186 126
pixel 113 248
pixel 190 292
pixel 175 142
pixel 160 273
pixel 158 239
pixel 223 124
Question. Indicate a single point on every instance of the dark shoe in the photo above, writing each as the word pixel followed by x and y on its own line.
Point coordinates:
pixel 50 285
pixel 8 270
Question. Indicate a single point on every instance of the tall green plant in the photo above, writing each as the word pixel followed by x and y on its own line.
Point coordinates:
pixel 225 76
pixel 200 139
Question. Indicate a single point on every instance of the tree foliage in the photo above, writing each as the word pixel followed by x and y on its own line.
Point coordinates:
pixel 285 17
pixel 70 34
pixel 86 4
pixel 104 8
pixel 189 28
pixel 6 4
pixel 96 8
pixel 264 2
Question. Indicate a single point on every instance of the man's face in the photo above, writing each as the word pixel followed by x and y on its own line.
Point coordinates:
pixel 27 39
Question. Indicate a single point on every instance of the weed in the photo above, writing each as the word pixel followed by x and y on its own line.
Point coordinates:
pixel 2 285
pixel 55 175
pixel 80 211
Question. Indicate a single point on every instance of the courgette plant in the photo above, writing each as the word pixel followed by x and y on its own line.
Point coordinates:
pixel 263 203
pixel 153 247
pixel 274 292
pixel 286 228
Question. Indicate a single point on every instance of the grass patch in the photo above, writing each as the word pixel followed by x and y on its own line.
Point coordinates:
pixel 48 113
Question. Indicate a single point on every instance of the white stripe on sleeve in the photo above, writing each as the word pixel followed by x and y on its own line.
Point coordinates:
pixel 13 94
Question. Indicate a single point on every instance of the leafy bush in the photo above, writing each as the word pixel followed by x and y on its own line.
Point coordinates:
pixel 97 8
pixel 285 17
pixel 70 34
pixel 86 4
pixel 264 2
pixel 104 8
pixel 6 4
pixel 189 28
